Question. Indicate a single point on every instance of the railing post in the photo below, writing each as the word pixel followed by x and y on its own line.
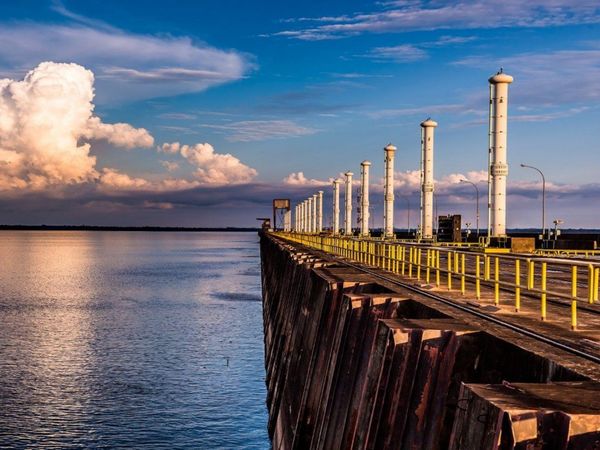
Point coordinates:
pixel 544 267
pixel 428 267
pixel 462 271
pixel 456 261
pixel 437 268
pixel 591 283
pixel 517 285
pixel 596 279
pixel 410 262
pixel 574 298
pixel 496 281
pixel 478 277
pixel 449 258
pixel 403 266
pixel 419 252
pixel 530 274
pixel 486 267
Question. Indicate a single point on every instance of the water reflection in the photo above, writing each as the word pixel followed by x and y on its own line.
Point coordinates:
pixel 121 339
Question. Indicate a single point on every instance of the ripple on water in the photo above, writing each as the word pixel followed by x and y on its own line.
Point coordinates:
pixel 115 340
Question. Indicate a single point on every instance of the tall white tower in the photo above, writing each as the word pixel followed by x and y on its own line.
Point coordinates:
pixel 305 215
pixel 348 216
pixel 310 214
pixel 427 143
pixel 388 192
pixel 364 198
pixel 498 167
pixel 320 212
pixel 335 224
pixel 302 230
pixel 315 197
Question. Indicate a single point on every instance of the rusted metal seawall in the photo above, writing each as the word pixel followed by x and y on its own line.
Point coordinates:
pixel 353 364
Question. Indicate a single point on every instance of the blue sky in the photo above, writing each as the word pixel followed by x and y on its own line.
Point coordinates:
pixel 288 87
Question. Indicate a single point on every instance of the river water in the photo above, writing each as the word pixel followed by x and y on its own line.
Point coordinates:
pixel 131 340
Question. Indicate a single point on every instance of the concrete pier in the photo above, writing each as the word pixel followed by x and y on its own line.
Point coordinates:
pixel 357 363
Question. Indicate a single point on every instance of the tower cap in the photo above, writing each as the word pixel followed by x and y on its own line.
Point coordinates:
pixel 500 77
pixel 429 123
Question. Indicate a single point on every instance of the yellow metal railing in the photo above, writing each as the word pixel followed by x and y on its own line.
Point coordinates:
pixel 568 253
pixel 500 271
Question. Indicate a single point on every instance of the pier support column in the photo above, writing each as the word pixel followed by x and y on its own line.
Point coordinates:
pixel 498 167
pixel 335 221
pixel 313 225
pixel 427 143
pixel 310 214
pixel 304 216
pixel 348 216
pixel 287 220
pixel 364 198
pixel 388 210
pixel 320 212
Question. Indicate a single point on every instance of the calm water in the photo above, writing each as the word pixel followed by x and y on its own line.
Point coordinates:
pixel 138 340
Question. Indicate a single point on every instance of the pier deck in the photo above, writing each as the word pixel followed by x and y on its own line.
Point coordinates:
pixel 364 354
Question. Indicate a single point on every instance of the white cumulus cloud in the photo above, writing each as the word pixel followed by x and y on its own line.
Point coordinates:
pixel 112 179
pixel 212 168
pixel 170 147
pixel 170 165
pixel 299 179
pixel 46 123
pixel 119 134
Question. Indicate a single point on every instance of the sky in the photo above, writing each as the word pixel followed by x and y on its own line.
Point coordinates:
pixel 199 113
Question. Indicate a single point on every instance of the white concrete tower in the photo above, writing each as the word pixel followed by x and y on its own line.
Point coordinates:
pixel 388 192
pixel 348 197
pixel 301 216
pixel 308 208
pixel 315 199
pixel 310 215
pixel 498 169
pixel 287 220
pixel 335 222
pixel 305 216
pixel 427 143
pixel 320 212
pixel 364 198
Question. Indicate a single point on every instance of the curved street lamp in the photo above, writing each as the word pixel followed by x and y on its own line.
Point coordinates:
pixel 477 208
pixel 543 197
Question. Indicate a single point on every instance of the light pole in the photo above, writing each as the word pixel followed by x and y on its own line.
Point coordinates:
pixel 477 208
pixel 543 198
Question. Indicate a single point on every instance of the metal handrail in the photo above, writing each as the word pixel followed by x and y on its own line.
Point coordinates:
pixel 407 259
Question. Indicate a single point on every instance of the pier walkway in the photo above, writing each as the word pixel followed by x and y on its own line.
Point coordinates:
pixel 389 344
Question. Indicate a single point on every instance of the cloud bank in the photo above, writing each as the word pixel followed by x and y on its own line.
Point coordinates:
pixel 259 130
pixel 47 132
pixel 404 16
pixel 128 66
